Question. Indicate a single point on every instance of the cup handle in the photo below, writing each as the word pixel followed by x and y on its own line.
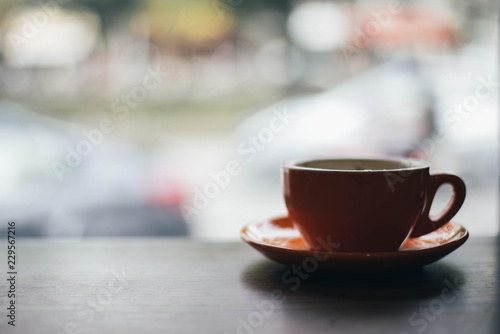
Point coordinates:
pixel 426 224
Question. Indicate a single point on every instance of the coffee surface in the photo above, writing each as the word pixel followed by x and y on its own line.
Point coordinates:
pixel 360 164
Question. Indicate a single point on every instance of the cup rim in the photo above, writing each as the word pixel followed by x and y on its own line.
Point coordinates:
pixel 418 164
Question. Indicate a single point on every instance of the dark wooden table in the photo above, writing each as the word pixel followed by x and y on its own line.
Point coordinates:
pixel 186 286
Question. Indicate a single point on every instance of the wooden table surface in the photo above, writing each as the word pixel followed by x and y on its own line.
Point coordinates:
pixel 186 286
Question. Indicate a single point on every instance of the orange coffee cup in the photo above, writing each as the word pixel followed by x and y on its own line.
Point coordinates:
pixel 365 205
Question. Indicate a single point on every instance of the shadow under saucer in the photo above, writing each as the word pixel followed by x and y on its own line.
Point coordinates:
pixel 326 302
pixel 410 284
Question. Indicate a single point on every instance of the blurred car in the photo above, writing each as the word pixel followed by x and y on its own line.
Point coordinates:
pixel 51 192
pixel 392 109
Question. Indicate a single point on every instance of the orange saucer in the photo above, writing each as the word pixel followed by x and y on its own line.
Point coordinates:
pixel 279 241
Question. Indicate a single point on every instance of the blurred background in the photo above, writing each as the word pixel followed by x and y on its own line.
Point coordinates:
pixel 170 117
